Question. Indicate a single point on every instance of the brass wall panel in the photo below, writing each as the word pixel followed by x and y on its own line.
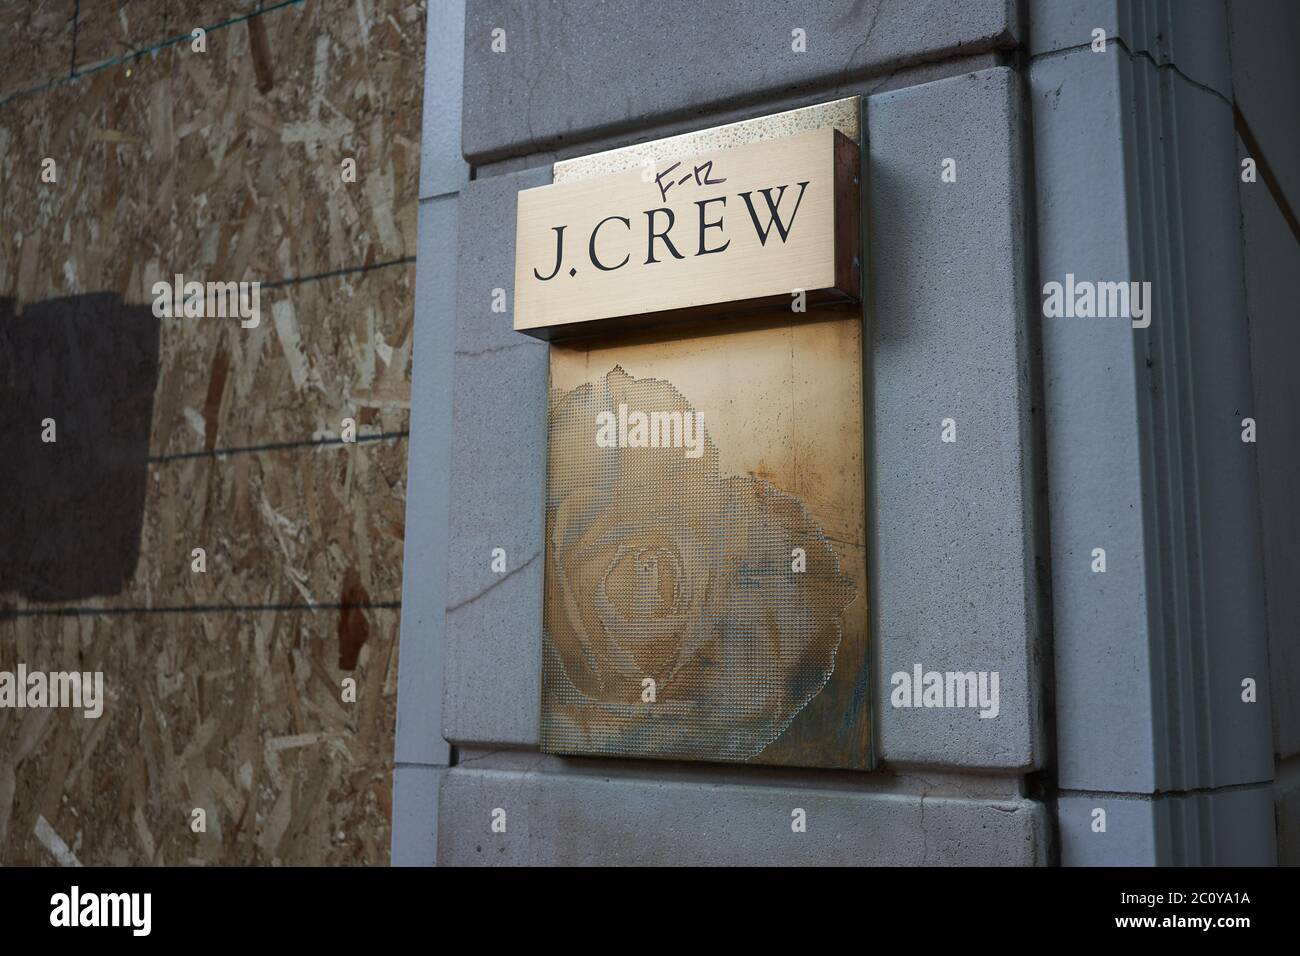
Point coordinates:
pixel 677 566
pixel 579 246
pixel 842 115
pixel 681 569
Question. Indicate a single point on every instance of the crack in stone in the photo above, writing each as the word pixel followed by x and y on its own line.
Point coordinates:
pixel 496 348
pixel 452 608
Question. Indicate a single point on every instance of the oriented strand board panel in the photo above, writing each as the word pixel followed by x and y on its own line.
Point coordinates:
pixel 35 43
pixel 224 166
pixel 322 351
pixel 280 528
pixel 297 526
pixel 237 714
pixel 107 29
pixel 180 161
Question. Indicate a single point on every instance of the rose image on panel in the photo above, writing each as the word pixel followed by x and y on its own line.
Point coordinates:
pixel 675 623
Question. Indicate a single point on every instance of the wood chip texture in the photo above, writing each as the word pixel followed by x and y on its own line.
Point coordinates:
pixel 225 689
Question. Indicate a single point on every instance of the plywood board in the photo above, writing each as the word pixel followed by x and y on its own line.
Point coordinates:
pixel 239 715
pixel 323 351
pixel 178 162
pixel 107 29
pixel 225 165
pixel 279 527
pixel 35 44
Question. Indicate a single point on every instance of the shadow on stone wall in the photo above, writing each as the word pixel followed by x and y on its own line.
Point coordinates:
pixel 71 510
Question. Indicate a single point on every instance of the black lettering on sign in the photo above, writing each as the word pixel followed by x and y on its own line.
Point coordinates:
pixel 774 217
pixel 702 203
pixel 559 254
pixel 591 246
pixel 650 243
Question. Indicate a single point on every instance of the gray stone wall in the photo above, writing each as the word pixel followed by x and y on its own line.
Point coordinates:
pixel 1265 80
pixel 953 542
pixel 1154 728
pixel 975 548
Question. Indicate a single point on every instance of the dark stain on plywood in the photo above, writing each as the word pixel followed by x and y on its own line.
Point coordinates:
pixel 261 51
pixel 354 627
pixel 212 404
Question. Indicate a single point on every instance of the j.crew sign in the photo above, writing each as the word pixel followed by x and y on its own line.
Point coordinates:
pixel 731 230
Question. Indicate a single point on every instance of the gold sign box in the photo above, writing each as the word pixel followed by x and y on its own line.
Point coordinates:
pixel 705 586
pixel 731 229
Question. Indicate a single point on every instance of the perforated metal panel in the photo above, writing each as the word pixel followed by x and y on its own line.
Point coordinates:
pixel 692 610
